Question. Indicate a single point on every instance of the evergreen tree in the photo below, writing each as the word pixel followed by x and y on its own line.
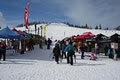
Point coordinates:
pixel 117 28
pixel 106 28
pixel 86 26
pixel 96 27
pixel 100 27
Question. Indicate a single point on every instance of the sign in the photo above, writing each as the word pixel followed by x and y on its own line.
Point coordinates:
pixel 114 45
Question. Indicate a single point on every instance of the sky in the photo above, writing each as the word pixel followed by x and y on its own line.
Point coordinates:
pixel 79 12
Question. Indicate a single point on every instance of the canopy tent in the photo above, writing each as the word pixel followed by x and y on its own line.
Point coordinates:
pixel 85 35
pixel 28 35
pixel 19 32
pixel 8 33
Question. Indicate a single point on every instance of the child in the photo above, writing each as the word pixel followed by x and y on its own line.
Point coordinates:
pixel 92 57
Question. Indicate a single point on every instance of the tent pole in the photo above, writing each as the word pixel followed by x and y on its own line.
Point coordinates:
pixel 19 44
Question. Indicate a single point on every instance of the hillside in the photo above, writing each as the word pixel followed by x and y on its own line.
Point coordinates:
pixel 61 30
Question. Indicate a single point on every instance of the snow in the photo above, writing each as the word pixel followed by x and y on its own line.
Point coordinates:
pixel 60 30
pixel 38 65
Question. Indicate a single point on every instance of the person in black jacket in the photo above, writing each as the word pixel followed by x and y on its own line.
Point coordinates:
pixel 49 42
pixel 106 50
pixel 82 49
pixel 3 51
pixel 56 52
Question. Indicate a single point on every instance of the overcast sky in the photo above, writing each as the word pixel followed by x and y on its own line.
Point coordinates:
pixel 80 12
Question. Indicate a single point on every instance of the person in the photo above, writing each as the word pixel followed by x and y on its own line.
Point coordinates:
pixel 48 43
pixel 115 54
pixel 40 44
pixel 70 49
pixel 3 51
pixel 106 50
pixel 56 52
pixel 15 45
pixel 92 57
pixel 89 46
pixel 96 49
pixel 82 48
pixel 110 53
pixel 63 46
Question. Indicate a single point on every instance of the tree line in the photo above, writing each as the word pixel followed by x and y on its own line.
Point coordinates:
pixel 71 25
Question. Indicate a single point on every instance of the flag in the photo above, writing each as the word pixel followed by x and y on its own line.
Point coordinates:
pixel 45 29
pixel 26 15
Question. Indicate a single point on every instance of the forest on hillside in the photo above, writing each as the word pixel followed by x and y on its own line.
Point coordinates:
pixel 71 25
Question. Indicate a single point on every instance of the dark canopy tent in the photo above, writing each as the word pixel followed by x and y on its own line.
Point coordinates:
pixel 7 33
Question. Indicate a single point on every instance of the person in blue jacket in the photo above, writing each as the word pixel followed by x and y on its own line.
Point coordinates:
pixel 63 46
pixel 70 49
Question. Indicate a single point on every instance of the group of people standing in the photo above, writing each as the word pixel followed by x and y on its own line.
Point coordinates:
pixel 47 42
pixel 67 49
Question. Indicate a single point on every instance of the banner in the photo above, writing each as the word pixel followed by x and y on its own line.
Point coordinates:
pixel 26 15
pixel 45 29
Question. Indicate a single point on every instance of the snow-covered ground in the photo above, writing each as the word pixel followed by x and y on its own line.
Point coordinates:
pixel 59 31
pixel 38 65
